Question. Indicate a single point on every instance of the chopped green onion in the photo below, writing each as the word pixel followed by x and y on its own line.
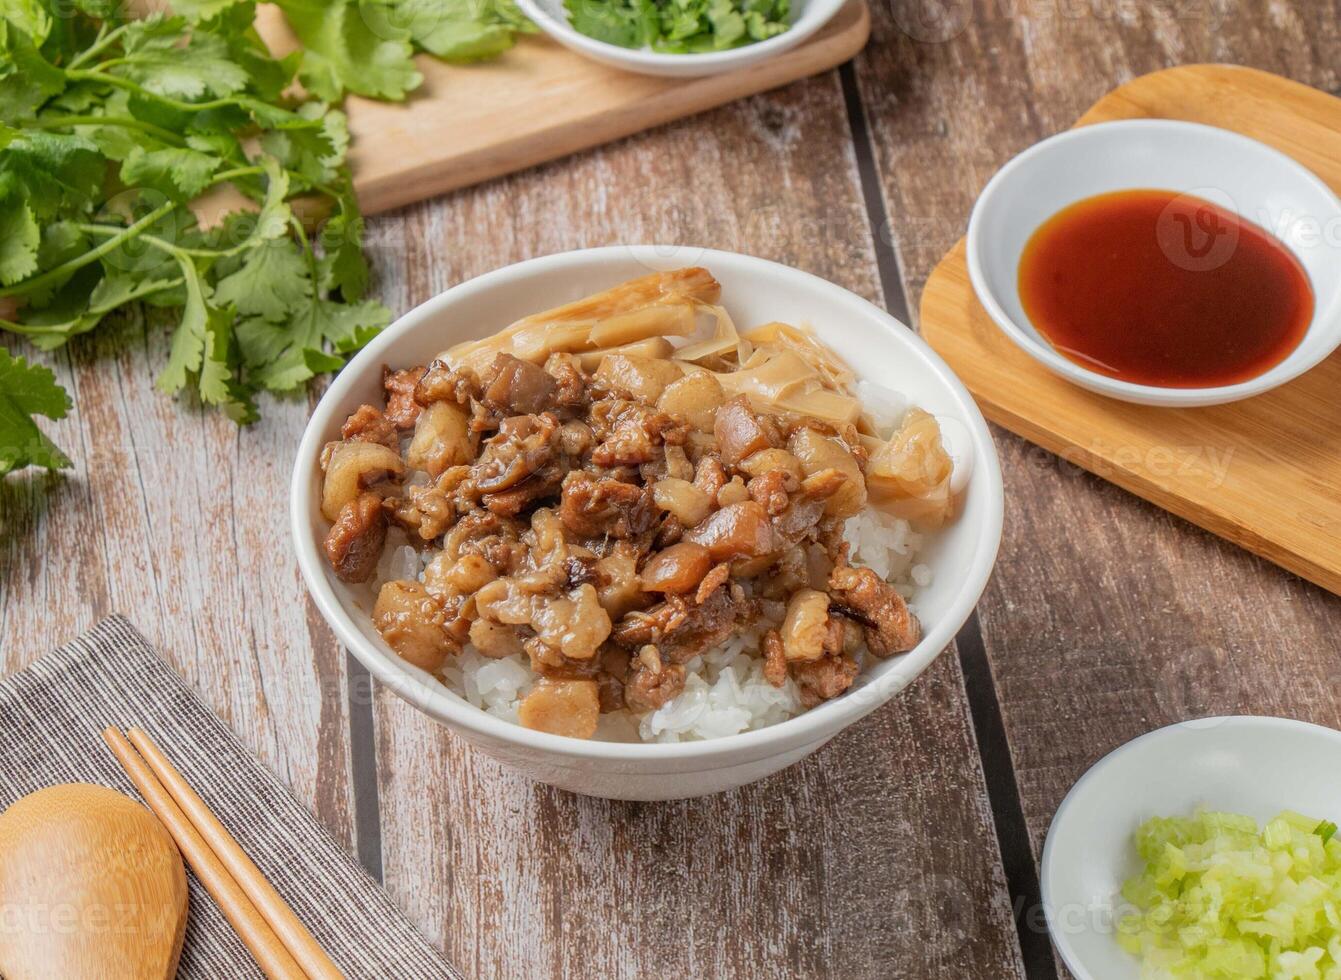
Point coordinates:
pixel 1325 830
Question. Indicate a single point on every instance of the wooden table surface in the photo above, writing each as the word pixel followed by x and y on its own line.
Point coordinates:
pixel 908 846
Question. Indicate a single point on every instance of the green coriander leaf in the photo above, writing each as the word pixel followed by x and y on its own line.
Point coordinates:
pixel 467 40
pixel 312 144
pixel 272 279
pixel 609 22
pixel 283 356
pixel 101 9
pixel 728 25
pixel 196 11
pixel 139 258
pixel 113 142
pixel 680 26
pixel 225 146
pixel 243 230
pixel 117 289
pixel 61 241
pixel 48 331
pixel 262 342
pixel 19 238
pixel 53 172
pixel 275 216
pixel 29 16
pixel 82 98
pixel 341 53
pixel 178 173
pixel 460 30
pixel 65 312
pixel 156 58
pixel 1325 830
pixel 170 100
pixel 344 267
pixel 26 78
pixel 216 383
pixel 760 28
pixel 233 19
pixel 27 390
pixel 157 113
pixel 319 362
pixel 269 76
pixel 195 348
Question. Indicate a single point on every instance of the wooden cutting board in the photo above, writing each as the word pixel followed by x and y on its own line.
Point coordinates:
pixel 539 101
pixel 1264 473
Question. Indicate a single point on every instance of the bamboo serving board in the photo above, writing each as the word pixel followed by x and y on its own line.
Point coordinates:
pixel 1264 473
pixel 539 101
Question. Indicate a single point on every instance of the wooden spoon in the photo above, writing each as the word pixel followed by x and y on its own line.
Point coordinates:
pixel 91 885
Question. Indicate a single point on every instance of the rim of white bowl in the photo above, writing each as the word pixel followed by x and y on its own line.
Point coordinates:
pixel 800 29
pixel 1046 355
pixel 1060 937
pixel 821 722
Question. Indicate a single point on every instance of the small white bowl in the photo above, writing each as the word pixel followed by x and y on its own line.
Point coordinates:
pixel 1240 764
pixel 755 291
pixel 551 16
pixel 1240 174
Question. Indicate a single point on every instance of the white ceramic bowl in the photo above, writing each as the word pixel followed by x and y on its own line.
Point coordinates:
pixel 808 16
pixel 1251 765
pixel 755 291
pixel 1242 175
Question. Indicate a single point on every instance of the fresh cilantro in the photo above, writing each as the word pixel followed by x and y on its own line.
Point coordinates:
pixel 269 281
pixel 461 30
pixel 27 390
pixel 367 46
pixel 341 53
pixel 52 173
pixel 167 60
pixel 19 239
pixel 177 172
pixel 282 358
pixel 680 26
pixel 109 130
pixel 30 16
pixel 1325 830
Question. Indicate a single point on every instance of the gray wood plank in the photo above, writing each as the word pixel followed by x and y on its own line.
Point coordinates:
pixel 1106 617
pixel 178 519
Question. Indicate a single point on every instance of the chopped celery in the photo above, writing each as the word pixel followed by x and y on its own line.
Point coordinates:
pixel 1221 899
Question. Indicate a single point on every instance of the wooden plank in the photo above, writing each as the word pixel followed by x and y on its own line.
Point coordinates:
pixel 1263 472
pixel 1106 616
pixel 538 102
pixel 874 858
pixel 178 519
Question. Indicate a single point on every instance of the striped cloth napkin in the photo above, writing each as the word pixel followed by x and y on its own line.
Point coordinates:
pixel 51 717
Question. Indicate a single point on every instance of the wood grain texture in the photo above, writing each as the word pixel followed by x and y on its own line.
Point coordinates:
pixel 175 517
pixel 1106 617
pixel 1263 472
pixel 539 102
pixel 874 858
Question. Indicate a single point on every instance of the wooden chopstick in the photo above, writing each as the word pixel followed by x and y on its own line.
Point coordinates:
pixel 300 943
pixel 270 953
